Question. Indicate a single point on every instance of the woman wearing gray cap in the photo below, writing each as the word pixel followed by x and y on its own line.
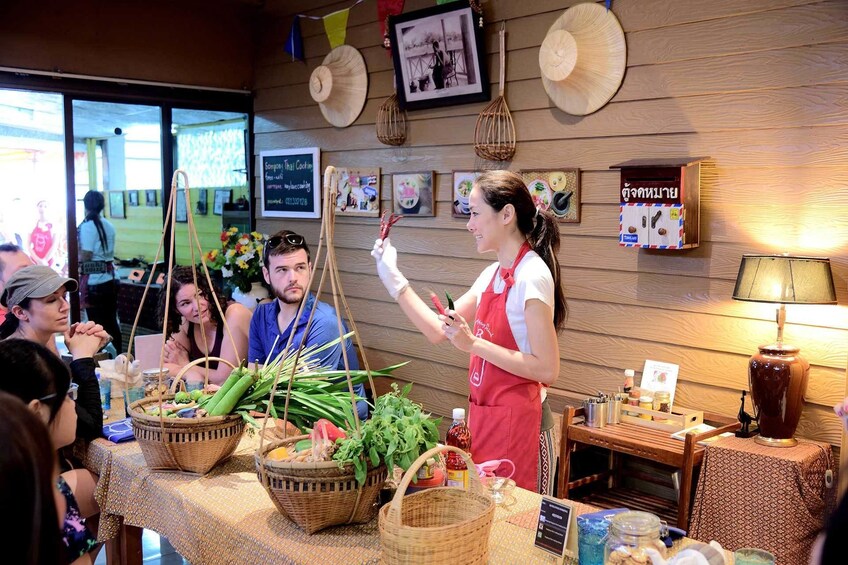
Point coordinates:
pixel 38 309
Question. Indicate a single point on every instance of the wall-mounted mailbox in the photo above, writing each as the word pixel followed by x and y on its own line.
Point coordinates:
pixel 660 203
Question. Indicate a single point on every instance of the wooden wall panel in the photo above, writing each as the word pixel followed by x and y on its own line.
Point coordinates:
pixel 768 110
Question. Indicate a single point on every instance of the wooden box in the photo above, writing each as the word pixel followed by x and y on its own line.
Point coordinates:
pixel 660 203
pixel 671 423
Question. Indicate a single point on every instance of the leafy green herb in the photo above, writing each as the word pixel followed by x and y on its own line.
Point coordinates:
pixel 398 432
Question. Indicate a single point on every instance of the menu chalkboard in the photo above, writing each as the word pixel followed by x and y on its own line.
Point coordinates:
pixel 291 183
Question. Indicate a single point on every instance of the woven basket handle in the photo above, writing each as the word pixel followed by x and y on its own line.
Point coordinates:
pixel 474 484
pixel 195 363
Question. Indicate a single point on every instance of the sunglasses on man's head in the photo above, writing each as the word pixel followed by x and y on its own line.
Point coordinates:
pixel 290 238
pixel 72 393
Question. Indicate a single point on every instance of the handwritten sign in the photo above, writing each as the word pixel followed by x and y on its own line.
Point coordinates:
pixel 291 183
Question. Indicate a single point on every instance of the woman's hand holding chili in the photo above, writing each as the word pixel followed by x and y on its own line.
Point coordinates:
pixel 457 330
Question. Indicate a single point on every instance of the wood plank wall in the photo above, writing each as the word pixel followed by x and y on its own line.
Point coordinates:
pixel 757 85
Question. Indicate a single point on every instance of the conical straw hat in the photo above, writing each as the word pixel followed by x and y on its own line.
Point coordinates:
pixel 340 85
pixel 582 59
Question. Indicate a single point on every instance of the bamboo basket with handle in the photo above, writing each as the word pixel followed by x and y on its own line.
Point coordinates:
pixel 334 496
pixel 437 525
pixel 494 134
pixel 193 445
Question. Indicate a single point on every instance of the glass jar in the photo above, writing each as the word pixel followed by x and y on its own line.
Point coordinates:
pixel 633 399
pixel 151 383
pixel 662 403
pixel 630 534
pixel 646 402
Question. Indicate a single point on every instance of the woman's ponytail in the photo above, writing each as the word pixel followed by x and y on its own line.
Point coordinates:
pixel 9 325
pixel 544 239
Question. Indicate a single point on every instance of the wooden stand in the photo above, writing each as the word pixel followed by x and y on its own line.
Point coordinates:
pixel 639 441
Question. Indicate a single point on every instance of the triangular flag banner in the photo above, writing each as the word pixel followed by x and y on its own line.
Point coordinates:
pixel 335 25
pixel 294 44
pixel 386 8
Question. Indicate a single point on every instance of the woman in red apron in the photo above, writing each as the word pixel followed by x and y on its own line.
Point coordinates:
pixel 508 323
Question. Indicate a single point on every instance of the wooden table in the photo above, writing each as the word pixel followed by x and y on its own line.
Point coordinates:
pixel 638 441
pixel 227 517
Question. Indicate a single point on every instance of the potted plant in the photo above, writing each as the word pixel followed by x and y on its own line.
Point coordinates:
pixel 240 262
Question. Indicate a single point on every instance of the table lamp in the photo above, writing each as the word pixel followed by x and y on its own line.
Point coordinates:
pixel 777 374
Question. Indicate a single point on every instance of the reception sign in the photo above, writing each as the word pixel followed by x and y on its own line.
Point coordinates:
pixel 291 183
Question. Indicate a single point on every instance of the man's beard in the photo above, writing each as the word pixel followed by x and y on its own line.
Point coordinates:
pixel 286 299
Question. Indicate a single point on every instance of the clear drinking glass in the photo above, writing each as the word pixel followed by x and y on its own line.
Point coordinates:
pixel 752 556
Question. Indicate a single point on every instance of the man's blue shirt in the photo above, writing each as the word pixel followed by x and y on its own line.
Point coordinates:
pixel 264 330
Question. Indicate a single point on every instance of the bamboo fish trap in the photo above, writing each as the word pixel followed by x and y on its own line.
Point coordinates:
pixel 317 495
pixel 494 135
pixel 391 122
pixel 193 445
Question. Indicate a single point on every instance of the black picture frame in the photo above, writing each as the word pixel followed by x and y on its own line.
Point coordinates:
pixel 463 74
pixel 133 197
pixel 202 207
pixel 150 198
pixel 222 196
pixel 116 204
pixel 181 212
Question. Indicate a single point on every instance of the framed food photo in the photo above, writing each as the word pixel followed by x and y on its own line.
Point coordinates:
pixel 555 190
pixel 116 204
pixel 150 198
pixel 463 181
pixel 412 193
pixel 439 57
pixel 202 202
pixel 133 197
pixel 221 197
pixel 181 214
pixel 359 192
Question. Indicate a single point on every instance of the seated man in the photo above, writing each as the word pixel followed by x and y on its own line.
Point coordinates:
pixel 12 258
pixel 288 265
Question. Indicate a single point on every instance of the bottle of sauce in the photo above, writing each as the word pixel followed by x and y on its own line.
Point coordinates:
pixel 458 436
pixel 629 374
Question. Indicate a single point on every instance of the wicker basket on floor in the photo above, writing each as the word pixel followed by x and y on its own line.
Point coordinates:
pixel 194 445
pixel 437 525
pixel 319 495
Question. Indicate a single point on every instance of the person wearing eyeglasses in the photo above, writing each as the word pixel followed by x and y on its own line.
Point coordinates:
pixel 41 380
pixel 196 327
pixel 39 309
pixel 287 267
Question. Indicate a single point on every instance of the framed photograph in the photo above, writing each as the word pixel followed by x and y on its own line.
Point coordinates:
pixel 150 198
pixel 439 57
pixel 412 193
pixel 359 192
pixel 202 202
pixel 291 183
pixel 222 196
pixel 133 197
pixel 657 376
pixel 462 183
pixel 556 190
pixel 181 213
pixel 116 204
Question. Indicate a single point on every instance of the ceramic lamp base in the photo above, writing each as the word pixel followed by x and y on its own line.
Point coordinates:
pixel 778 379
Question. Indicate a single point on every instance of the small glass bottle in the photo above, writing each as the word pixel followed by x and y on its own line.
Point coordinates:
pixel 646 402
pixel 633 399
pixel 662 403
pixel 630 534
pixel 629 374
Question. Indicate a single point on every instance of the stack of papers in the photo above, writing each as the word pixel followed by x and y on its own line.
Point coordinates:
pixel 699 429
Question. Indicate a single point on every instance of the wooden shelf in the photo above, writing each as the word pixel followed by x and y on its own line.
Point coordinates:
pixel 622 497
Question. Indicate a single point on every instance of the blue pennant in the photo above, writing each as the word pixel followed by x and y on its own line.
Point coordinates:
pixel 294 44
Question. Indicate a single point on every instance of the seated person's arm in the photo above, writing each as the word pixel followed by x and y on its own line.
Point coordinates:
pixel 238 320
pixel 88 407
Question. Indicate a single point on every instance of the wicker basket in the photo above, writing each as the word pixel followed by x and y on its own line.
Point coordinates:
pixel 319 495
pixel 438 525
pixel 194 445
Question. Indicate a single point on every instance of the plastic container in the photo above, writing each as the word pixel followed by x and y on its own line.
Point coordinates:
pixel 458 436
pixel 105 392
pixel 630 534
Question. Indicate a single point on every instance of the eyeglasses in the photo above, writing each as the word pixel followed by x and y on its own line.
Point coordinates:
pixel 290 238
pixel 72 393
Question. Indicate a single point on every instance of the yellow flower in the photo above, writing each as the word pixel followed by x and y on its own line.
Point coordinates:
pixel 213 254
pixel 231 253
pixel 241 264
pixel 256 235
pixel 233 229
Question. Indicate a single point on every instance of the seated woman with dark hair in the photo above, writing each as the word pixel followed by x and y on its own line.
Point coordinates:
pixel 196 327
pixel 32 373
pixel 29 474
pixel 39 309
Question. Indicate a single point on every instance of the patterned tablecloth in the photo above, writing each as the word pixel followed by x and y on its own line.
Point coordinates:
pixel 751 495
pixel 227 517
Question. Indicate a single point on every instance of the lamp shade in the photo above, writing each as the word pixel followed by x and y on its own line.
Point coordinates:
pixel 785 279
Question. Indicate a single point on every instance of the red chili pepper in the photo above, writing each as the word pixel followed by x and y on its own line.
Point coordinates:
pixel 387 223
pixel 437 303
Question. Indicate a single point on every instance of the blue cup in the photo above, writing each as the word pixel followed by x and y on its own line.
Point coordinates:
pixel 193 385
pixel 105 393
pixel 131 395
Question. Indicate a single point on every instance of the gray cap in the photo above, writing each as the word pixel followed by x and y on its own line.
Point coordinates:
pixel 35 281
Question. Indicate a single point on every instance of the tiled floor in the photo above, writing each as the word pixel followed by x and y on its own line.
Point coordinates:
pixel 155 549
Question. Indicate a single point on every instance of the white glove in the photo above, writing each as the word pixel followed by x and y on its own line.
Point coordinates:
pixel 386 255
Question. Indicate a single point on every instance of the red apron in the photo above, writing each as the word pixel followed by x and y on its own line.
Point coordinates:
pixel 505 410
